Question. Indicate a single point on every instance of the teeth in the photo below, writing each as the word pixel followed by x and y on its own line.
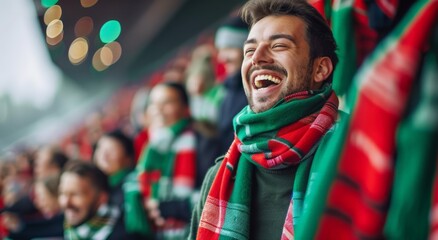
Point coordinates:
pixel 260 78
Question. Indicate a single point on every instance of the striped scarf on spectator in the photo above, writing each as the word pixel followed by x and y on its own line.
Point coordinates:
pixel 167 167
pixel 166 171
pixel 351 197
pixel 98 227
pixel 277 138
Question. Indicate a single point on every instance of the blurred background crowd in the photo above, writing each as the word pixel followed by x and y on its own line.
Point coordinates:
pixel 147 97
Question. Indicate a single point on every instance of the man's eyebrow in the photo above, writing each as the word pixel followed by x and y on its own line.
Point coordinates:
pixel 251 40
pixel 273 37
pixel 286 36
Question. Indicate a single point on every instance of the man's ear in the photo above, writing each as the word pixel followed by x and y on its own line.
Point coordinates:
pixel 323 68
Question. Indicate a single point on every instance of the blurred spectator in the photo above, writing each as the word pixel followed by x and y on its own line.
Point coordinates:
pixel 205 94
pixel 17 175
pixel 71 145
pixel 114 155
pixel 94 128
pixel 46 195
pixel 46 201
pixel 229 42
pixel 49 161
pixel 176 70
pixel 10 185
pixel 206 97
pixel 84 195
pixel 24 158
pixel 167 168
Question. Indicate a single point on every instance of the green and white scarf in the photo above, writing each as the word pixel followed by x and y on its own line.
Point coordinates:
pixel 99 227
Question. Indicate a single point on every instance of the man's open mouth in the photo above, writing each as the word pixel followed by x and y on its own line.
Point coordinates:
pixel 264 81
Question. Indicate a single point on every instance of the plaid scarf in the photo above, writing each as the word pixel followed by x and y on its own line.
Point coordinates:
pixel 272 139
pixel 350 199
pixel 98 227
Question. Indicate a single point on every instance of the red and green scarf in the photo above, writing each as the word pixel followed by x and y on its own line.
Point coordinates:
pixel 350 21
pixel 350 198
pixel 277 138
pixel 166 171
pixel 167 167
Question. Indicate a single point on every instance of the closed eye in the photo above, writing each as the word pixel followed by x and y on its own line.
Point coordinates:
pixel 279 46
pixel 249 51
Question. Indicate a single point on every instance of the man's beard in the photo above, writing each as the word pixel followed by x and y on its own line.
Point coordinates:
pixel 303 83
pixel 91 212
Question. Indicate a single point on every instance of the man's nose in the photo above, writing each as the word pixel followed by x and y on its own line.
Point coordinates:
pixel 64 201
pixel 261 55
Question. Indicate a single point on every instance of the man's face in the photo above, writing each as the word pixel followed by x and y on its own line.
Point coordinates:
pixel 276 61
pixel 43 164
pixel 78 198
pixel 231 58
pixel 110 156
pixel 196 85
pixel 165 106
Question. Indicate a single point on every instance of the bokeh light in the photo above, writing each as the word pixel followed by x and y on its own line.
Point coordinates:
pixel 53 13
pixel 110 31
pixel 54 28
pixel 97 61
pixel 106 56
pixel 116 50
pixel 78 51
pixel 48 3
pixel 88 3
pixel 56 40
pixel 84 26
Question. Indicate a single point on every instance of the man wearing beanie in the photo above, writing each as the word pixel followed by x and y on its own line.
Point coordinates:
pixel 229 42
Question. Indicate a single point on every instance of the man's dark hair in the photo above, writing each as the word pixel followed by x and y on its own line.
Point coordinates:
pixel 124 140
pixel 319 35
pixel 59 158
pixel 90 171
pixel 184 97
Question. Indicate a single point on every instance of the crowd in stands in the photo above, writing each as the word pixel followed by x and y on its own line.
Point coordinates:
pixel 133 169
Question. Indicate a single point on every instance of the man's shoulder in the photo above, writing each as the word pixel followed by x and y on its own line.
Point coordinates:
pixel 217 163
pixel 218 160
pixel 212 171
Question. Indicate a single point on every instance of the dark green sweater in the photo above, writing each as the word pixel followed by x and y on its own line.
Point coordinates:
pixel 271 193
pixel 269 204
